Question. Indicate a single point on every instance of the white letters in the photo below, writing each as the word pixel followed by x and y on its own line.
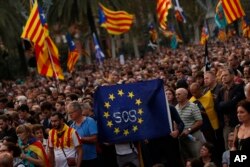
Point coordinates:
pixel 240 158
pixel 125 116
pixel 117 116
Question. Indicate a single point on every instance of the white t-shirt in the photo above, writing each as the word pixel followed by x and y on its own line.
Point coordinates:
pixel 125 148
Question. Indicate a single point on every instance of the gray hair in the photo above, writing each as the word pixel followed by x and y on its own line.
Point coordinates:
pixel 75 105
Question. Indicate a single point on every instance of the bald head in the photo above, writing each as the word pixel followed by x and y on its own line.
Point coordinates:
pixel 181 95
pixel 247 91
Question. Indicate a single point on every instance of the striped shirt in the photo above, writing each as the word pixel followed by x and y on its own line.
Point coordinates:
pixel 189 114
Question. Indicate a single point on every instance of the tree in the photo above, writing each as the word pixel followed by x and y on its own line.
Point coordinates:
pixel 11 22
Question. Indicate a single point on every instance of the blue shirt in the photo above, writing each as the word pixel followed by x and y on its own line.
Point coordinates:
pixel 87 128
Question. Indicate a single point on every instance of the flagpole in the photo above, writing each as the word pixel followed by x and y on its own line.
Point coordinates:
pixel 51 60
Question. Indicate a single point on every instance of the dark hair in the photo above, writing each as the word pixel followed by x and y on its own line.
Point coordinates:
pixel 60 115
pixel 196 163
pixel 36 127
pixel 210 147
pixel 10 139
pixel 23 107
pixel 61 102
pixel 62 94
pixel 46 106
pixel 245 104
pixel 4 117
pixel 73 96
pixel 12 147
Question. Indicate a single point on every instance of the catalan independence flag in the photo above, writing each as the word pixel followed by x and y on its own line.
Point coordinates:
pixel 37 148
pixel 204 34
pixel 162 8
pixel 34 29
pixel 73 54
pixel 246 27
pixel 232 10
pixel 47 55
pixel 131 112
pixel 34 146
pixel 116 22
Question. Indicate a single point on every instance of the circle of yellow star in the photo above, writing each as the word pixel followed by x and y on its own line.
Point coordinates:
pixel 135 128
pixel 106 114
pixel 140 120
pixel 126 132
pixel 140 111
pixel 138 102
pixel 117 130
pixel 110 124
pixel 131 95
pixel 111 96
pixel 120 92
pixel 107 105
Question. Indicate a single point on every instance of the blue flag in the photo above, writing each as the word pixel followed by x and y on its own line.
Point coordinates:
pixel 131 112
pixel 98 51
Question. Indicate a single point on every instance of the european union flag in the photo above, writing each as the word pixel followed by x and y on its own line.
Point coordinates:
pixel 131 112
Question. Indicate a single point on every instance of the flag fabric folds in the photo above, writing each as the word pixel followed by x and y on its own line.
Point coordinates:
pixel 34 29
pixel 162 8
pixel 246 27
pixel 37 147
pixel 232 10
pixel 73 54
pixel 116 22
pixel 131 112
pixel 220 18
pixel 98 52
pixel 204 34
pixel 179 13
pixel 47 56
pixel 207 103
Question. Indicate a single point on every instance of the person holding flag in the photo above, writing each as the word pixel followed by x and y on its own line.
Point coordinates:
pixel 33 153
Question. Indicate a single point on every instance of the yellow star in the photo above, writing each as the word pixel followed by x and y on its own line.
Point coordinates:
pixel 140 111
pixel 106 114
pixel 110 124
pixel 140 120
pixel 120 92
pixel 125 132
pixel 117 130
pixel 111 96
pixel 107 105
pixel 138 101
pixel 131 94
pixel 135 128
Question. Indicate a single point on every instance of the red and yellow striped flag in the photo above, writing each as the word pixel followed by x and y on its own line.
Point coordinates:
pixel 116 22
pixel 34 30
pixel 246 27
pixel 47 56
pixel 232 10
pixel 162 12
pixel 73 54
pixel 37 147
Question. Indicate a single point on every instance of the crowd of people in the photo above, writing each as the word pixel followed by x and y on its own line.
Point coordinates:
pixel 45 122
